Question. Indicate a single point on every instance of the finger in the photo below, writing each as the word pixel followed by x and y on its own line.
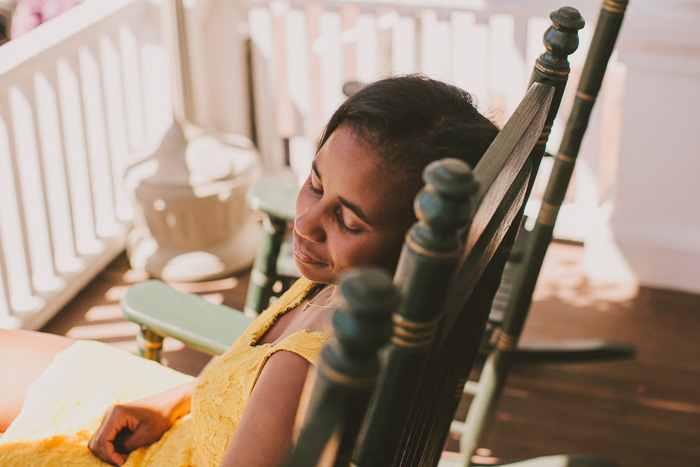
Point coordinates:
pixel 143 432
pixel 105 452
pixel 117 458
pixel 143 435
pixel 135 441
pixel 102 443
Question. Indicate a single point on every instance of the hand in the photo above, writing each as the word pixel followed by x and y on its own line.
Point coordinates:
pixel 126 428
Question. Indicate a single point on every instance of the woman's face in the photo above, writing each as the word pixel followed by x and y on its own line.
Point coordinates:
pixel 347 212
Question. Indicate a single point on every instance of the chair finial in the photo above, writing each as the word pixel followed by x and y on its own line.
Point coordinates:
pixel 552 67
pixel 442 207
pixel 362 323
pixel 560 40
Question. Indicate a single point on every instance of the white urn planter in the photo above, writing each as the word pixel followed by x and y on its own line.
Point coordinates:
pixel 192 222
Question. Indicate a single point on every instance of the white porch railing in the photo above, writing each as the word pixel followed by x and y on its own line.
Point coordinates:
pixel 303 52
pixel 83 94
pixel 78 97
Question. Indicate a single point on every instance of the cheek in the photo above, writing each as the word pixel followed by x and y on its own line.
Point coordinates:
pixel 386 253
pixel 349 253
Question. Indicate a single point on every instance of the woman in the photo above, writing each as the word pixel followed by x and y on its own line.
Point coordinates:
pixel 353 210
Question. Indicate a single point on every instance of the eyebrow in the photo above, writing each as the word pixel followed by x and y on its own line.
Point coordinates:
pixel 353 207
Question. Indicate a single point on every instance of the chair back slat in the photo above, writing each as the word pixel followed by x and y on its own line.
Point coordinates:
pixel 505 158
pixel 503 175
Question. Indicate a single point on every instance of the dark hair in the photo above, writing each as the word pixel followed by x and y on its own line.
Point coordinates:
pixel 413 120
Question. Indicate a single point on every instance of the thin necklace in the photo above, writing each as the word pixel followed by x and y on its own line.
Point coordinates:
pixel 311 302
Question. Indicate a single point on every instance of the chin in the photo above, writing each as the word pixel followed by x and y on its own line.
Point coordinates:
pixel 314 273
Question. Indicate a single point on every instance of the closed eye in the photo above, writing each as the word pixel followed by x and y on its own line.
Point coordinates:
pixel 343 225
pixel 313 189
pixel 338 212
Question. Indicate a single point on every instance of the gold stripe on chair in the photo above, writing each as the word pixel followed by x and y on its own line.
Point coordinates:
pixel 551 71
pixel 418 249
pixel 548 214
pixel 411 334
pixel 146 344
pixel 345 380
pixel 506 342
pixel 584 96
pixel 564 159
pixel 615 6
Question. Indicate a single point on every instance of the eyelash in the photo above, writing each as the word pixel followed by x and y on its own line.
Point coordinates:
pixel 314 190
pixel 339 218
pixel 338 214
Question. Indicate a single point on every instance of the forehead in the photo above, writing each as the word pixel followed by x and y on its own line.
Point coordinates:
pixel 351 169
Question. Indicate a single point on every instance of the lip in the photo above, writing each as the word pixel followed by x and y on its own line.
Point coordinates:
pixel 302 256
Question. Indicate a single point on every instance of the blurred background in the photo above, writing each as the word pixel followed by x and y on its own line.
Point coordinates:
pixel 100 100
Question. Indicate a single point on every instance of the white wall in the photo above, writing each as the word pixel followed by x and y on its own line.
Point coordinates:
pixel 649 227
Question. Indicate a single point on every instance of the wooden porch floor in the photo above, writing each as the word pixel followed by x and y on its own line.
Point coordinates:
pixel 644 411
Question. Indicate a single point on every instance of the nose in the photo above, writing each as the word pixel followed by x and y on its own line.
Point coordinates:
pixel 309 224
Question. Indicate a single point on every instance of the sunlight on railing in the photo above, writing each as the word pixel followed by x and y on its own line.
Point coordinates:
pixel 304 51
pixel 75 108
pixel 83 94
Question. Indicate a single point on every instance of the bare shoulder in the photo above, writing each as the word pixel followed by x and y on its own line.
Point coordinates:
pixel 264 432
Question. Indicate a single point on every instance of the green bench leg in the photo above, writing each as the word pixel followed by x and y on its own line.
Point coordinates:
pixel 150 344
pixel 264 272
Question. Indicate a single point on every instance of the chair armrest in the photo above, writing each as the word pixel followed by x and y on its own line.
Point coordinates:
pixel 186 317
pixel 274 198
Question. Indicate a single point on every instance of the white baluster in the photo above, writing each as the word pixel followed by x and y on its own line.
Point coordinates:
pixel 133 90
pixel 98 148
pixel 64 176
pixel 22 237
pixel 469 56
pixel 115 120
pixel 264 89
pixel 78 154
pixel 44 233
pixel 367 47
pixel 405 56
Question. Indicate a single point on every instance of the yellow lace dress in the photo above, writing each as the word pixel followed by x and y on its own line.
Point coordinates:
pixel 64 406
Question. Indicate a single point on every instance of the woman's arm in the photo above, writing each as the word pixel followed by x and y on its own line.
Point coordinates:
pixel 265 431
pixel 172 403
pixel 127 427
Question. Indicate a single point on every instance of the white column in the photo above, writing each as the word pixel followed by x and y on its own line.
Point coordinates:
pixel 649 229
pixel 217 31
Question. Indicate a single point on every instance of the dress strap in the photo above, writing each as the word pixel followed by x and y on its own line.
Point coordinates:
pixel 290 299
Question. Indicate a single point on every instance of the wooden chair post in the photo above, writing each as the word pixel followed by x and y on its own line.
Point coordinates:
pixel 150 344
pixel 494 372
pixel 348 368
pixel 605 35
pixel 276 200
pixel 431 252
pixel 262 276
pixel 552 67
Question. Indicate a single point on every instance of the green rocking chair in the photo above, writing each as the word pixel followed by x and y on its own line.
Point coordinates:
pixel 447 284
